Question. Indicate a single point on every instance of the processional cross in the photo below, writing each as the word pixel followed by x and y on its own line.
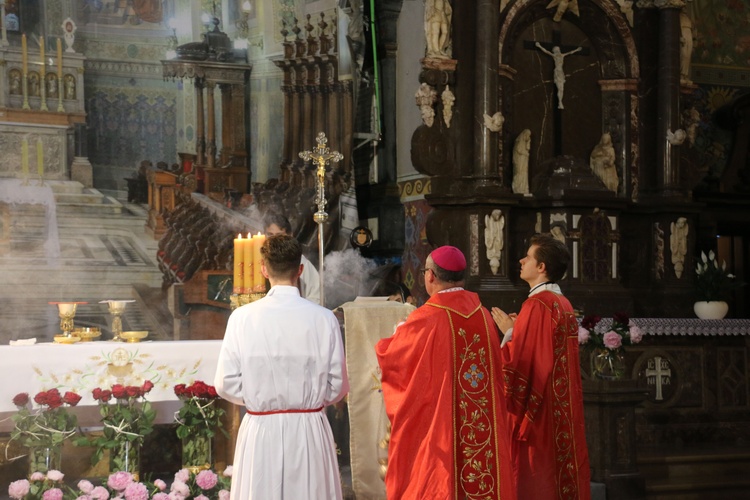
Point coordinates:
pixel 558 52
pixel 322 156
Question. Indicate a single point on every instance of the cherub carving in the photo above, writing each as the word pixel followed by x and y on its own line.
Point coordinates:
pixel 677 137
pixel 562 7
pixel 494 122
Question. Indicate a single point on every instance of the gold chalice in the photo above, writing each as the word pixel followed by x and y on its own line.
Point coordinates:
pixel 117 309
pixel 67 311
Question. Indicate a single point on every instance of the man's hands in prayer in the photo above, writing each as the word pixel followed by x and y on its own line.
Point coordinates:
pixel 502 320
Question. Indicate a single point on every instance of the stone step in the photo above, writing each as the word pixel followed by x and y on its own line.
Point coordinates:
pixel 703 474
pixel 65 187
pixel 105 205
pixel 88 196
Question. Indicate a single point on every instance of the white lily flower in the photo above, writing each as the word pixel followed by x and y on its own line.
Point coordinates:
pixel 703 257
pixel 711 255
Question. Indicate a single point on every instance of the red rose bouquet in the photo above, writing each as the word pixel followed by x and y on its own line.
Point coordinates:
pixel 46 425
pixel 198 420
pixel 127 417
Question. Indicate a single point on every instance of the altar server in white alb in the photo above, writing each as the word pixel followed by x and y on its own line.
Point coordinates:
pixel 282 358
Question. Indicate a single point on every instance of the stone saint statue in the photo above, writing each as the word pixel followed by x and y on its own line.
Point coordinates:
pixel 495 122
pixel 686 45
pixel 678 244
pixel 437 25
pixel 494 224
pixel 521 150
pixel 559 73
pixel 602 162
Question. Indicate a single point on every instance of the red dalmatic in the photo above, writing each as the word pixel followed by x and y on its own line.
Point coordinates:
pixel 542 379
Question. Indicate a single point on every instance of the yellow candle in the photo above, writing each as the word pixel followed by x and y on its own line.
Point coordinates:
pixel 39 157
pixel 247 272
pixel 59 59
pixel 24 54
pixel 41 53
pixel 25 157
pixel 239 259
pixel 259 282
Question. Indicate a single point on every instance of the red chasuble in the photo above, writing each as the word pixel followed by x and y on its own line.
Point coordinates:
pixel 542 379
pixel 441 379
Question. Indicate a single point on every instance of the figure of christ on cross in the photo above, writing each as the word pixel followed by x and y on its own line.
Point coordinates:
pixel 555 50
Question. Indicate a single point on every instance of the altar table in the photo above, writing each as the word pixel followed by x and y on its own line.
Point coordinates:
pixel 12 193
pixel 85 366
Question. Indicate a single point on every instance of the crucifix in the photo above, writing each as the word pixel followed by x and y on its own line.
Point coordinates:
pixel 558 52
pixel 322 156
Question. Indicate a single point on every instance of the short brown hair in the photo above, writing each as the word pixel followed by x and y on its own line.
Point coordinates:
pixel 553 253
pixel 282 254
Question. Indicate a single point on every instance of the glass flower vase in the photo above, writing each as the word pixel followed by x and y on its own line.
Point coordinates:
pixel 44 458
pixel 196 453
pixel 607 364
pixel 125 457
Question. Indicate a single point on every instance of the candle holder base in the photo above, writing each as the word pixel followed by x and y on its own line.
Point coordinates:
pixel 240 299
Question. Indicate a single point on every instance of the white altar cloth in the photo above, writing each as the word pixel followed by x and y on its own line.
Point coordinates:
pixel 85 366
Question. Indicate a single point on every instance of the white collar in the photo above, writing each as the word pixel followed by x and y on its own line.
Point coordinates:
pixel 454 289
pixel 552 287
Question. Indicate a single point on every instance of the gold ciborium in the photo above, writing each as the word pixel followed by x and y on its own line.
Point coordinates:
pixel 117 309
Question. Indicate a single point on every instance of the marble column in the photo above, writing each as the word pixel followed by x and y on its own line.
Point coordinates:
pixel 669 177
pixel 485 88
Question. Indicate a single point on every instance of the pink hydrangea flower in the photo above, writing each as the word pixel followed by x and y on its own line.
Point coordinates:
pixel 160 496
pixel 99 493
pixel 182 475
pixel 175 496
pixel 136 491
pixel 223 495
pixel 201 497
pixel 206 479
pixel 85 486
pixel 636 334
pixel 18 489
pixel 612 340
pixel 160 484
pixel 55 475
pixel 83 497
pixel 228 471
pixel 583 335
pixel 53 494
pixel 119 480
pixel 37 476
pixel 180 488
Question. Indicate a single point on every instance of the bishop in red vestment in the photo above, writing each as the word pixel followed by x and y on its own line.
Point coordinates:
pixel 441 380
pixel 542 379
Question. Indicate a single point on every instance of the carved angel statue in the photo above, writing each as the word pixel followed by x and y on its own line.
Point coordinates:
pixel 562 7
pixel 494 224
pixel 677 137
pixel 686 45
pixel 678 244
pixel 494 122
pixel 692 119
pixel 437 25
